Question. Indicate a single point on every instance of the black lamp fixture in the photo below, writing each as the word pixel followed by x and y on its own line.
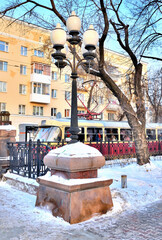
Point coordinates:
pixel 90 40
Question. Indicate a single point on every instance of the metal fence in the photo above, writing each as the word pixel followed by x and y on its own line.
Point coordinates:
pixel 26 158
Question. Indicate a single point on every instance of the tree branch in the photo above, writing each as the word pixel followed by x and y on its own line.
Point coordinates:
pixel 104 34
pixel 155 58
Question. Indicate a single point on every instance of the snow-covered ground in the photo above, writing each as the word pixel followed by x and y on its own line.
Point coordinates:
pixel 20 217
pixel 144 184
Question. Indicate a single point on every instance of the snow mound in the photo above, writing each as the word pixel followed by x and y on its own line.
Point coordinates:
pixel 75 150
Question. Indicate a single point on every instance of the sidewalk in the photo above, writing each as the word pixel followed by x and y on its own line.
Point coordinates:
pixel 136 215
pixel 19 219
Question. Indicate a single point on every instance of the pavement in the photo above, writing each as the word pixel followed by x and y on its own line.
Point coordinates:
pixel 20 220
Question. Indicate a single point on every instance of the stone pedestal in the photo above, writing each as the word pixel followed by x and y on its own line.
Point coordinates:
pixel 74 192
pixel 7 134
pixel 75 203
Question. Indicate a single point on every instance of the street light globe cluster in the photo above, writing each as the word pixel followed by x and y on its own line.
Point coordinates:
pixel 58 39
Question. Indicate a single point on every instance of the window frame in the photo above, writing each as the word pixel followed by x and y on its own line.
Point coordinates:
pixel 67 95
pixel 54 75
pixel 22 109
pixel 38 53
pixel 4 86
pixel 53 93
pixel 67 78
pixel 22 89
pixel 112 118
pixel 23 69
pixel 2 106
pixel 53 112
pixel 38 110
pixel 6 46
pixel 4 66
pixel 24 51
pixel 67 113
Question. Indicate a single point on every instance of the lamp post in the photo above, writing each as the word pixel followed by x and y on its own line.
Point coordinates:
pixel 58 38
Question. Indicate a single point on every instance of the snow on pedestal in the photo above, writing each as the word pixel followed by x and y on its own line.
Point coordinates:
pixel 73 190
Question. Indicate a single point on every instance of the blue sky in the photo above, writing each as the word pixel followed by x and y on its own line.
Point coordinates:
pixel 111 43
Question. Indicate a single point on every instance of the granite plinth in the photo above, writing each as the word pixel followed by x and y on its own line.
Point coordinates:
pixel 6 136
pixel 75 175
pixel 75 203
pixel 75 161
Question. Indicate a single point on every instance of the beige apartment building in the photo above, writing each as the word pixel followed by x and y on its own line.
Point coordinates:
pixel 32 88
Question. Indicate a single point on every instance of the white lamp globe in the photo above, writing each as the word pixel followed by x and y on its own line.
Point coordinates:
pixel 58 35
pixel 90 37
pixel 73 23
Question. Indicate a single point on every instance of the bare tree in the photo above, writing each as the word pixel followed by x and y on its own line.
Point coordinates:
pixel 101 9
pixel 154 94
pixel 147 26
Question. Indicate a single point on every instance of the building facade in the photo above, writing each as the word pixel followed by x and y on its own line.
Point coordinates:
pixel 33 89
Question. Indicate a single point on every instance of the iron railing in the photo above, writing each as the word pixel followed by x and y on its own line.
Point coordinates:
pixel 26 158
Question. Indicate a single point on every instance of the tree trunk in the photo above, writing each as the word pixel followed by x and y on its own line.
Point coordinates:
pixel 142 152
pixel 141 145
pixel 156 115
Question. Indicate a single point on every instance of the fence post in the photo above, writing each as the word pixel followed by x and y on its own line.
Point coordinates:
pixel 159 148
pixel 108 146
pixel 101 145
pixel 38 157
pixel 123 181
pixel 29 158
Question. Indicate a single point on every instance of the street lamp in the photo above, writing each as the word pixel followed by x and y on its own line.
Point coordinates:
pixel 58 38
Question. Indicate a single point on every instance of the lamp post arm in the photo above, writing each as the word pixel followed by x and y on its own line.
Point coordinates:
pixel 69 63
pixel 79 63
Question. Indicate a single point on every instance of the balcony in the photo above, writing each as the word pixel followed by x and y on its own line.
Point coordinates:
pixel 40 78
pixel 40 98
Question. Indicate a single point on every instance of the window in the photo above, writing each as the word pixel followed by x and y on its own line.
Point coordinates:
pixel 80 82
pixel 92 100
pixel 67 78
pixel 111 134
pixel 151 135
pixel 54 75
pixel 67 95
pixel 38 111
pixel 23 51
pixel 22 109
pixel 94 134
pixel 3 66
pixel 3 46
pixel 81 97
pixel 80 111
pixel 101 100
pixel 67 112
pixel 40 88
pixel 45 89
pixel 2 106
pixel 159 134
pixel 41 69
pixel 111 116
pixel 37 88
pixel 53 93
pixel 38 53
pixel 125 134
pixel 22 69
pixel 38 68
pixel 3 87
pixel 53 112
pixel 22 89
